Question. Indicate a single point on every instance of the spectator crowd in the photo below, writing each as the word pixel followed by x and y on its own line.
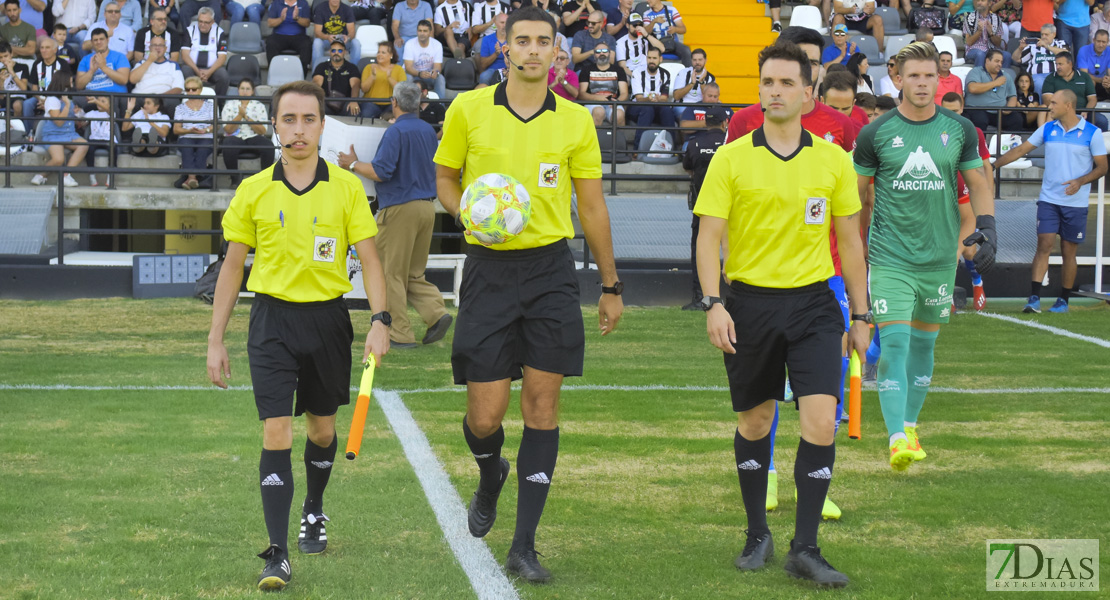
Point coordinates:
pixel 155 76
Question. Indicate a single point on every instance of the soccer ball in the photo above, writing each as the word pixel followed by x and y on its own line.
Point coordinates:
pixel 495 208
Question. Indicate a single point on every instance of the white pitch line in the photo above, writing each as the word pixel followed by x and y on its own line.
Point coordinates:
pixel 566 388
pixel 1049 328
pixel 484 572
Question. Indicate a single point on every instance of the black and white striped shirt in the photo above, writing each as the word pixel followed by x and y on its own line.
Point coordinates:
pixel 645 84
pixel 632 50
pixel 1040 61
pixel 685 77
pixel 449 12
pixel 205 48
pixel 484 13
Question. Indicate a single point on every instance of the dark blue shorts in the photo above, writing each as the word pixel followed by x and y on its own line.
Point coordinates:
pixel 1070 222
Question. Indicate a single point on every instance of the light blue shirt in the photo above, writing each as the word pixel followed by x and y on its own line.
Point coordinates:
pixel 1068 155
pixel 131 13
pixel 409 17
pixel 1074 13
pixel 1096 64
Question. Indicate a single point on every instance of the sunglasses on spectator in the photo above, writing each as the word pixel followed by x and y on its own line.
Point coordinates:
pixel 601 52
pixel 337 51
pixel 111 11
pixel 192 89
pixel 890 64
pixel 840 34
pixel 594 22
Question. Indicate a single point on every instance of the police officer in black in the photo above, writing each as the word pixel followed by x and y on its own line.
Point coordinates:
pixel 699 151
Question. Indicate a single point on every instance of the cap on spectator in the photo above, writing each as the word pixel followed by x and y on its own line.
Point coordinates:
pixel 635 18
pixel 716 115
pixel 338 41
pixel 841 28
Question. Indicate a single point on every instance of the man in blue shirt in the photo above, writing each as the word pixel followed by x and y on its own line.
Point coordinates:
pixel 406 185
pixel 1074 156
pixel 288 19
pixel 1093 59
pixel 103 70
pixel 1075 16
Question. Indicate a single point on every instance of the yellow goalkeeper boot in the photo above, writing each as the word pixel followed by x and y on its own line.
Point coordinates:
pixel 772 490
pixel 829 512
pixel 914 444
pixel 901 457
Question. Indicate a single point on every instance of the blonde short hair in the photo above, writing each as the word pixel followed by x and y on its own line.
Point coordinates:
pixel 917 51
pixel 197 80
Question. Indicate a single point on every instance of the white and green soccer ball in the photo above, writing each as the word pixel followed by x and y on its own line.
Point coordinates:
pixel 495 208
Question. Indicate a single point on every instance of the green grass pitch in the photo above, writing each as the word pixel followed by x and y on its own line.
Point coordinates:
pixel 144 494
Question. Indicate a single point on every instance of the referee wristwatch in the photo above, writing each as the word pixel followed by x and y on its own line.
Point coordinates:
pixel 617 288
pixel 711 300
pixel 866 317
pixel 384 317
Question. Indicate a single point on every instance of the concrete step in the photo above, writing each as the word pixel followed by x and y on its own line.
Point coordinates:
pixel 729 29
pixel 720 7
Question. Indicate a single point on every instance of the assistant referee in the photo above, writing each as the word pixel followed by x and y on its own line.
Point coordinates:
pixel 519 312
pixel 300 216
pixel 777 191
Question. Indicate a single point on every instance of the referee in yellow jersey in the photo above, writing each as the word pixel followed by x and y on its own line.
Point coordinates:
pixel 777 191
pixel 299 215
pixel 519 313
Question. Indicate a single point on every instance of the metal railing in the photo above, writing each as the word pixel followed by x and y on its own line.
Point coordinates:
pixel 114 146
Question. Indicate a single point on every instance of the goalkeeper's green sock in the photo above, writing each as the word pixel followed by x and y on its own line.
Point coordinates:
pixel 919 367
pixel 891 377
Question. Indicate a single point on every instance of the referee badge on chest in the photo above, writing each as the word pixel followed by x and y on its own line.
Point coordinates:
pixel 323 249
pixel 549 175
pixel 815 210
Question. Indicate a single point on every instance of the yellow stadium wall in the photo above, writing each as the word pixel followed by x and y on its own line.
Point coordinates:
pixel 732 32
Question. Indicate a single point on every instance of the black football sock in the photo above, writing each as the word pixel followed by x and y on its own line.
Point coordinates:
pixel 275 474
pixel 752 460
pixel 487 453
pixel 535 468
pixel 317 465
pixel 1035 289
pixel 813 470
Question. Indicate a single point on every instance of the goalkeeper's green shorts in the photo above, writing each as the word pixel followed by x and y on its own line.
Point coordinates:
pixel 902 295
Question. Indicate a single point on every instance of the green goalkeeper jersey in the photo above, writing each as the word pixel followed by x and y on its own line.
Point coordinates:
pixel 916 219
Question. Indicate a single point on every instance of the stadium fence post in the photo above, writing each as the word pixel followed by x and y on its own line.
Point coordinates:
pixel 613 150
pixel 61 214
pixel 112 164
pixel 1099 227
pixel 215 142
pixel 7 140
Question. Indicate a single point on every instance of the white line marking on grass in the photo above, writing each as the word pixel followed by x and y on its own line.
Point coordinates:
pixel 484 572
pixel 1049 328
pixel 571 388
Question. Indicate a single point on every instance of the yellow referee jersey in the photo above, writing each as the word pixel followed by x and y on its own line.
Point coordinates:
pixel 300 238
pixel 481 135
pixel 779 208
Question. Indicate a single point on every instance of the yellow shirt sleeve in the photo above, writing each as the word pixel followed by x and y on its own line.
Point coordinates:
pixel 715 197
pixel 585 162
pixel 238 221
pixel 360 221
pixel 453 146
pixel 845 200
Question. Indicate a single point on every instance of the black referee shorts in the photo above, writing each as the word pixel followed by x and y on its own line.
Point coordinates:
pixel 799 329
pixel 301 347
pixel 518 308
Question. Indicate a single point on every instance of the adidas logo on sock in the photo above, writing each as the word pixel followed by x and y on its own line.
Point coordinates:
pixel 749 465
pixel 273 479
pixel 822 473
pixel 321 464
pixel 539 478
